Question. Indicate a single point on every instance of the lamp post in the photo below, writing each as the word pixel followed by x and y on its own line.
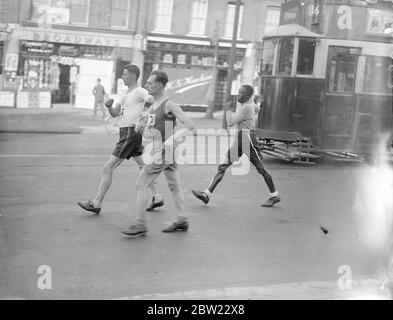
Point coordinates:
pixel 232 53
pixel 212 89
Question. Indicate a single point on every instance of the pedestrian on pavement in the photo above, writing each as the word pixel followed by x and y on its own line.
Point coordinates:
pixel 160 131
pixel 129 110
pixel 99 97
pixel 244 119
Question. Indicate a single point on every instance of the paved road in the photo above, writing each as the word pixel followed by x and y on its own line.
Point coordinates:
pixel 234 249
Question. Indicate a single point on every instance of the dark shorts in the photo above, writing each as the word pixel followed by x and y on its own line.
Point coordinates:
pixel 129 145
pixel 251 147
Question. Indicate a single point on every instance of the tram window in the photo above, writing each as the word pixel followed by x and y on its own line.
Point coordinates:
pixel 378 75
pixel 341 71
pixel 268 56
pixel 285 56
pixel 305 61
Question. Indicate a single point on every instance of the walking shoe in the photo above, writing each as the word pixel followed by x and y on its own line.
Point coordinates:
pixel 201 196
pixel 271 201
pixel 154 205
pixel 177 226
pixel 135 230
pixel 89 206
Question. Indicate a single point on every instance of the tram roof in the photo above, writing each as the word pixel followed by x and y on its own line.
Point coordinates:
pixel 291 30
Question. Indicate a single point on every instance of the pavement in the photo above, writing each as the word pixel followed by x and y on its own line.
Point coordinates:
pixel 235 249
pixel 65 119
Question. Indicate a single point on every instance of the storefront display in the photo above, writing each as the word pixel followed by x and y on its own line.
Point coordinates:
pixel 67 63
pixel 57 68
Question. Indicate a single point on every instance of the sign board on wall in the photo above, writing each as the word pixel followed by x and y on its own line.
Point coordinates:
pixel 44 99
pixel 23 99
pixel 378 20
pixel 11 62
pixel 34 99
pixel 7 99
pixel 79 37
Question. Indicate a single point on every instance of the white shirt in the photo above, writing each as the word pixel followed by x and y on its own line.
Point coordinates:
pixel 131 106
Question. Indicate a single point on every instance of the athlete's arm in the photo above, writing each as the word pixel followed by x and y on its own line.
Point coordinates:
pixel 236 117
pixel 181 116
pixel 113 111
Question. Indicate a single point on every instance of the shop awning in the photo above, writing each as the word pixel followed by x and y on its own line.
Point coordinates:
pixel 292 30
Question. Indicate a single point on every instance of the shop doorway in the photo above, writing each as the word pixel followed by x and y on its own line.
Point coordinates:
pixel 89 71
pixel 64 93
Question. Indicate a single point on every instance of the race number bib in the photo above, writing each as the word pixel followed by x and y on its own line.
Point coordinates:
pixel 151 120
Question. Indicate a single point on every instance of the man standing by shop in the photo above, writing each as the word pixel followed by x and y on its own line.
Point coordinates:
pixel 129 109
pixel 99 96
pixel 160 133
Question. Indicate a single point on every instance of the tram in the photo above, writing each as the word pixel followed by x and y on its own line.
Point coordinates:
pixel 327 77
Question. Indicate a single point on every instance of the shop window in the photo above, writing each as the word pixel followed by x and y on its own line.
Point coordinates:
pixel 341 70
pixel 230 21
pixel 120 13
pixel 378 75
pixel 79 11
pixel 285 57
pixel 272 18
pixel 198 17
pixel 269 48
pixel 305 60
pixel 163 13
pixel 36 73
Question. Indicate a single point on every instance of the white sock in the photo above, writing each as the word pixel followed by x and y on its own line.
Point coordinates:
pixel 209 194
pixel 274 194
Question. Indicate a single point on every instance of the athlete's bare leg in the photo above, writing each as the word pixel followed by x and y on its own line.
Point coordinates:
pixel 106 180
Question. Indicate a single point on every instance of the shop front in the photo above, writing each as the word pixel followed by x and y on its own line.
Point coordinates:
pixel 189 65
pixel 8 69
pixel 63 67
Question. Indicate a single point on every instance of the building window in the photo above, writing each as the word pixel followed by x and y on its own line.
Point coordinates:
pixel 167 58
pixel 181 59
pixel 49 12
pixel 230 21
pixel 198 17
pixel 60 11
pixel 120 13
pixel 79 11
pixel 164 10
pixel 272 18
